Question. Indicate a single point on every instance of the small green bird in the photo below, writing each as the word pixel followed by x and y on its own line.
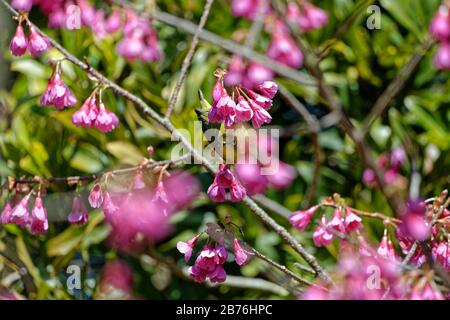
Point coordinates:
pixel 202 113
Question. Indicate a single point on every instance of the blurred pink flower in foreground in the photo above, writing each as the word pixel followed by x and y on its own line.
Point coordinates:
pixel 116 279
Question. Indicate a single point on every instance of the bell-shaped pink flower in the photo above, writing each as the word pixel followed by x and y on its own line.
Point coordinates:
pixel 138 180
pixel 301 218
pixel 58 94
pixel 39 222
pixel 106 120
pixel 241 256
pixel 336 222
pixel 256 74
pixel 440 25
pixel 22 5
pixel 251 178
pixel 441 254
pixel 442 57
pixel 245 8
pixel 222 254
pixel 217 193
pixel 131 47
pixel 284 50
pixel 5 216
pixel 283 176
pixel 79 214
pixel 86 115
pixel 414 220
pixel 187 247
pixel 386 249
pixel 260 116
pixel 96 196
pixel 352 222
pixel 243 111
pixel 235 74
pixel 312 17
pixel 222 109
pixel 197 274
pixel 218 275
pixel 321 236
pixel 207 259
pixel 114 21
pixel 19 42
pixel 268 89
pixel 259 99
pixel 20 215
pixel 108 206
pixel 38 43
pixel 237 192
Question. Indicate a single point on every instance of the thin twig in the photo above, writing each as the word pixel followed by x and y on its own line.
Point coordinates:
pixel 177 136
pixel 188 58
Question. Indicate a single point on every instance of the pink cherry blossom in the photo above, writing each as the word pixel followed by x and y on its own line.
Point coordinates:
pixel 20 214
pixel 22 5
pixel 386 249
pixel 218 274
pixel 114 21
pixel 256 74
pixel 268 89
pixel 187 247
pixel 57 93
pixel 38 43
pixel 260 115
pixel 321 236
pixel 251 178
pixel 337 222
pixel 352 222
pixel 301 218
pixel 225 181
pixel 440 25
pixel 39 222
pixel 19 42
pixel 86 115
pixel 96 196
pixel 131 47
pixel 284 50
pixel 441 254
pixel 442 57
pixel 5 216
pixel 79 214
pixel 283 176
pixel 241 255
pixel 116 275
pixel 106 120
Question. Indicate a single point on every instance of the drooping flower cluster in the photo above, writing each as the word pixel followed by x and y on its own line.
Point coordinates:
pixel 244 105
pixel 224 182
pixel 140 41
pixel 252 175
pixel 440 29
pixel 93 113
pixel 57 92
pixel 36 45
pixel 283 48
pixel 209 262
pixel 249 75
pixel 141 213
pixel 391 163
pixel 324 235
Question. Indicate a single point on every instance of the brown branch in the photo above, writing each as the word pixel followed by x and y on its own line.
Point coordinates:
pixel 176 135
pixel 187 60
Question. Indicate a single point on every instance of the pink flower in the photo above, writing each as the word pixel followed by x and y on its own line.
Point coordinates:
pixel 311 17
pixel 268 89
pixel 181 189
pixel 138 180
pixel 79 214
pixel 223 181
pixel 352 222
pixel 442 57
pixel 22 5
pixel 284 50
pixel 260 116
pixel 314 293
pixel 241 256
pixel 251 178
pixel 414 221
pixel 283 176
pixel 337 223
pixel 427 293
pixel 440 25
pixel 106 120
pixel 5 216
pixel 197 274
pixel 369 178
pixel 398 157
pixel 321 236
pixel 222 109
pixel 386 249
pixel 236 72
pixel 256 74
pixel 57 93
pixel 187 247
pixel 222 254
pixel 39 222
pixel 20 215
pixel 160 196
pixel 243 111
pixel 218 274
pixel 405 242
pixel 114 21
pixel 19 42
pixel 207 259
pixel 86 115
pixel 301 218
pixel 441 254
pixel 116 275
pixel 245 8
pixel 96 196
pixel 38 44
pixel 131 47
pixel 260 100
